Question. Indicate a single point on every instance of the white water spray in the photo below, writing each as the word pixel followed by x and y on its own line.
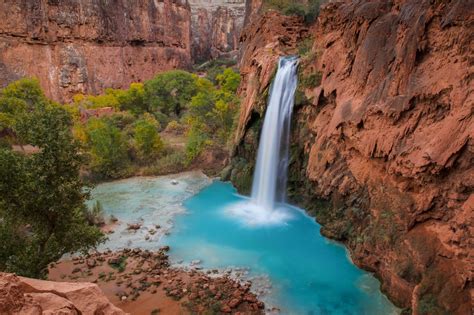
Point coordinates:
pixel 270 176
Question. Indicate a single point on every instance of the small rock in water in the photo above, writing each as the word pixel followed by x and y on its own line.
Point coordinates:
pixel 174 182
pixel 134 226
pixel 195 262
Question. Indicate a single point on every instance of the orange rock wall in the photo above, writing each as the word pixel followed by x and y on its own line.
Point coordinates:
pixel 383 148
pixel 86 46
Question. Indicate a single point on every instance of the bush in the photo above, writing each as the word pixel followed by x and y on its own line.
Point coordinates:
pixel 146 139
pixel 311 81
pixel 108 149
pixel 175 127
pixel 170 92
pixel 173 162
pixel 309 10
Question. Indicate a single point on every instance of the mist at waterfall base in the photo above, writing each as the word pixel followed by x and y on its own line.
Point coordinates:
pixel 309 274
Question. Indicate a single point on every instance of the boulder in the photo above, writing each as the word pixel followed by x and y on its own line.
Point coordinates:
pixel 19 295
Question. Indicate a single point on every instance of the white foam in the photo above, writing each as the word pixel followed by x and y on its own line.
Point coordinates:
pixel 253 215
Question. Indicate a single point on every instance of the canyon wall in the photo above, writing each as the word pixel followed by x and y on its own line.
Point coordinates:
pixel 216 27
pixel 86 46
pixel 382 148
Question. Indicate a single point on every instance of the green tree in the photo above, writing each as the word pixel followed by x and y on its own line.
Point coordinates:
pixel 41 195
pixel 229 80
pixel 108 149
pixel 132 100
pixel 170 92
pixel 146 138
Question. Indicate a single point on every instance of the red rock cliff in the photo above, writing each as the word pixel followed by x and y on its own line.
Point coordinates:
pixel 383 142
pixel 87 46
pixel 216 27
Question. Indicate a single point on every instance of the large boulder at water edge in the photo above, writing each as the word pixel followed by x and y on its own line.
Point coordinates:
pixel 20 295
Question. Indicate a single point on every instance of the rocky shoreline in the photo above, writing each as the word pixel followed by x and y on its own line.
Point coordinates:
pixel 144 282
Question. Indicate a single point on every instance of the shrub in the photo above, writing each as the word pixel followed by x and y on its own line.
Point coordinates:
pixel 175 127
pixel 108 149
pixel 309 10
pixel 311 81
pixel 146 138
pixel 170 92
pixel 173 162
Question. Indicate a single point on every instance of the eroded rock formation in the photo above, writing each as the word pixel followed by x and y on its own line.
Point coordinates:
pixel 20 295
pixel 87 46
pixel 216 27
pixel 383 139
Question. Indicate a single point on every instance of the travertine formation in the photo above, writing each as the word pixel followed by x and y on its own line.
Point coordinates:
pixel 86 46
pixel 383 139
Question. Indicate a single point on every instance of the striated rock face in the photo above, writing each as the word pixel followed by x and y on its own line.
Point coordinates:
pixel 216 27
pixel 383 143
pixel 20 295
pixel 86 46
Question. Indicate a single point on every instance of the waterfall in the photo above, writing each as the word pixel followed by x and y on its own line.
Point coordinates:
pixel 270 177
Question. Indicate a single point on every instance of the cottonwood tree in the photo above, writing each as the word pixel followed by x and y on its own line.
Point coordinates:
pixel 41 194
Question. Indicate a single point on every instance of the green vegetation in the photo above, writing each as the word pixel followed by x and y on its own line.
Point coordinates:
pixel 44 147
pixel 107 148
pixel 309 10
pixel 146 139
pixel 42 210
pixel 120 264
pixel 156 127
pixel 170 92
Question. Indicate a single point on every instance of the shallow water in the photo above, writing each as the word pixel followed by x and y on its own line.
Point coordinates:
pixel 149 201
pixel 308 273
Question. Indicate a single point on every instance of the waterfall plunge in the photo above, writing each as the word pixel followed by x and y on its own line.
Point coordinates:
pixel 269 183
pixel 270 177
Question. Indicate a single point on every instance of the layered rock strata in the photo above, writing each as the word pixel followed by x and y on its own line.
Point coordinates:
pixel 215 27
pixel 86 46
pixel 383 139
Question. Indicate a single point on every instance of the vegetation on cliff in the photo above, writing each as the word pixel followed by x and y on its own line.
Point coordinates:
pixel 308 9
pixel 42 210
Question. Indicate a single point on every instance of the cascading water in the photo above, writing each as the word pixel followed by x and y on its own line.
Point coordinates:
pixel 270 177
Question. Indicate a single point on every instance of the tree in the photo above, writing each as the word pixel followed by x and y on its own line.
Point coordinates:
pixel 170 92
pixel 229 80
pixel 41 195
pixel 132 100
pixel 146 138
pixel 108 148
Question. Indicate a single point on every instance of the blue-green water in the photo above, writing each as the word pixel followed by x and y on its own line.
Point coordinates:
pixel 309 274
